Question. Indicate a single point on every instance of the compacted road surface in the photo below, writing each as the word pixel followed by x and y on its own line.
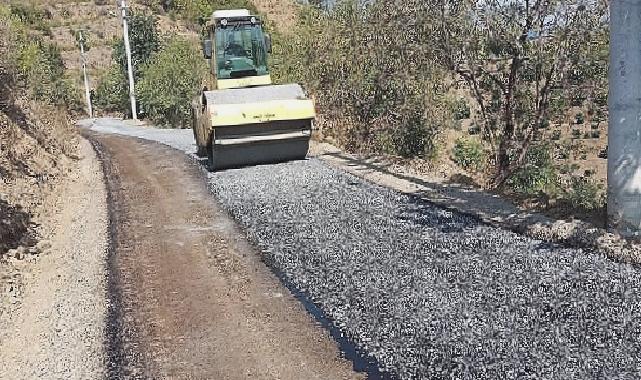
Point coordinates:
pixel 430 293
pixel 190 298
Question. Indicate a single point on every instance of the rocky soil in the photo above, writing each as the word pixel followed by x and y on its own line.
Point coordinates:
pixel 53 299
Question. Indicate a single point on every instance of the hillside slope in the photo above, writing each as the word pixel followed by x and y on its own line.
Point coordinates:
pixel 37 144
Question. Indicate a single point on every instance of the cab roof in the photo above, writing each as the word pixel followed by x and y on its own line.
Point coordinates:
pixel 230 13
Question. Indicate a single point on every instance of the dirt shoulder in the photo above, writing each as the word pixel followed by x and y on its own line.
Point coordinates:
pixel 195 299
pixel 53 306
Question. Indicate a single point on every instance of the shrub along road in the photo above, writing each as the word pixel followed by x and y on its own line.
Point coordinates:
pixel 429 293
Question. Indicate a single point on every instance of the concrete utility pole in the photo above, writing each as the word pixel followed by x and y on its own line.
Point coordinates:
pixel 624 131
pixel 84 73
pixel 130 70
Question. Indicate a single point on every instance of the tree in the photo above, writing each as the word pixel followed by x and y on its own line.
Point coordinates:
pixel 144 40
pixel 516 56
pixel 372 74
pixel 112 94
pixel 170 80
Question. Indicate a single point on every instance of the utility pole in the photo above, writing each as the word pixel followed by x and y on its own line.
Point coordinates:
pixel 84 73
pixel 125 31
pixel 624 130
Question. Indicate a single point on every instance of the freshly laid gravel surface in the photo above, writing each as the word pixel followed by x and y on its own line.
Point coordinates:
pixel 434 294
pixel 181 139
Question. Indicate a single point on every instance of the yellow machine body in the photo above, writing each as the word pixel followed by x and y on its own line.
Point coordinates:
pixel 240 118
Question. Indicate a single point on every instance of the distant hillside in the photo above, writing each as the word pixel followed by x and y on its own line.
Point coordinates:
pixel 101 24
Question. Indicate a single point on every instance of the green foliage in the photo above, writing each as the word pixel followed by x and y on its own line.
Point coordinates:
pixel 199 11
pixel 521 64
pixel 601 98
pixel 37 64
pixel 585 194
pixel 578 98
pixel 170 80
pixel 537 176
pixel 469 153
pixel 370 76
pixel 461 110
pixel 414 138
pixel 112 93
pixel 34 17
pixel 144 40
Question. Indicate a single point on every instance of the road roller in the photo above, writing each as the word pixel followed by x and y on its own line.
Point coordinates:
pixel 240 118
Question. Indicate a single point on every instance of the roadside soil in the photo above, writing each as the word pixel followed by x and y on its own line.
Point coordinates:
pixel 53 295
pixel 190 297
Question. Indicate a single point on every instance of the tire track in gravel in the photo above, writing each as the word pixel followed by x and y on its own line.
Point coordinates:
pixel 190 298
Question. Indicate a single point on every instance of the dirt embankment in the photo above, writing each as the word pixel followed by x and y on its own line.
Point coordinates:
pixel 50 292
pixel 38 148
pixel 38 145
pixel 53 306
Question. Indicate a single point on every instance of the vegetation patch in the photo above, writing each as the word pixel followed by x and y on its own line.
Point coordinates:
pixel 37 139
pixel 524 77
pixel 168 73
pixel 469 154
pixel 168 83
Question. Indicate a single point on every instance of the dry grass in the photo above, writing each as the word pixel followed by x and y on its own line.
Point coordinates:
pixel 283 14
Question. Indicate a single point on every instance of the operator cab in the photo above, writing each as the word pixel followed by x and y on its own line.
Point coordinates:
pixel 236 49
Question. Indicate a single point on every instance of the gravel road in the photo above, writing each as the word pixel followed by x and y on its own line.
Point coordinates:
pixel 57 330
pixel 430 293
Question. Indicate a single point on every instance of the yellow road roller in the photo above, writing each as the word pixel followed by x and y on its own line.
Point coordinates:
pixel 240 118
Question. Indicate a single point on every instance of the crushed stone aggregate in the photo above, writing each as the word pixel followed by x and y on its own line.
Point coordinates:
pixel 434 294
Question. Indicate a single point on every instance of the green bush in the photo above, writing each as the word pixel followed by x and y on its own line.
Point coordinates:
pixel 461 110
pixel 537 176
pixel 35 17
pixel 585 194
pixel 414 138
pixel 112 93
pixel 469 154
pixel 170 80
pixel 578 98
pixel 373 93
pixel 144 40
pixel 576 133
pixel 545 124
pixel 601 98
pixel 37 63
